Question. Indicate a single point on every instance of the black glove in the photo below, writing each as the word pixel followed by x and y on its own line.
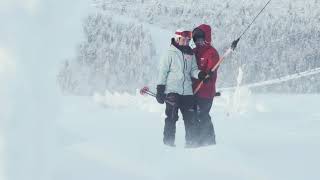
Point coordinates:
pixel 205 77
pixel 234 44
pixel 218 94
pixel 160 93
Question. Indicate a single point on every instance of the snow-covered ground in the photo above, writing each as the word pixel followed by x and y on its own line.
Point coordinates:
pixel 45 135
pixel 271 137
pixel 114 136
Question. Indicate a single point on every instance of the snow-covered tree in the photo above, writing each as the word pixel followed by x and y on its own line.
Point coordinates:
pixel 284 40
pixel 109 58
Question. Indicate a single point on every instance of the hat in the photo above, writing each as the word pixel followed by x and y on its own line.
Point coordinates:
pixel 180 33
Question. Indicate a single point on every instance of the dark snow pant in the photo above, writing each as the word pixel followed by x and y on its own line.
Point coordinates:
pixel 185 104
pixel 206 129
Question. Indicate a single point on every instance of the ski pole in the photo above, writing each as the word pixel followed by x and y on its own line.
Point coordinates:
pixel 232 47
pixel 254 19
pixel 145 90
pixel 213 69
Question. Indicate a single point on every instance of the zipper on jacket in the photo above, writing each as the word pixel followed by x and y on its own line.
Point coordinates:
pixel 184 78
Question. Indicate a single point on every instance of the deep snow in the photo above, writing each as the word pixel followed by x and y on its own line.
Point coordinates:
pixel 272 137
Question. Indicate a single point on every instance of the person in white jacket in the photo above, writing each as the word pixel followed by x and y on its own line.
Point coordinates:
pixel 175 86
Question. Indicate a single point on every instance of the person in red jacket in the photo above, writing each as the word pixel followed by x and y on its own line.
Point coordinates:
pixel 207 57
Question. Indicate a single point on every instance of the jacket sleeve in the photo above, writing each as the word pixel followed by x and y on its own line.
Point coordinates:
pixel 212 60
pixel 164 68
pixel 194 68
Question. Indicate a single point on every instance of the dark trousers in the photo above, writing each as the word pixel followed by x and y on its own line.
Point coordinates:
pixel 206 129
pixel 186 106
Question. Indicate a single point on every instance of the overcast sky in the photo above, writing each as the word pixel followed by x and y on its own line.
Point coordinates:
pixel 35 37
pixel 41 31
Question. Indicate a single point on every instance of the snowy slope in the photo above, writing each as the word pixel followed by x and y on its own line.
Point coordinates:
pixel 270 139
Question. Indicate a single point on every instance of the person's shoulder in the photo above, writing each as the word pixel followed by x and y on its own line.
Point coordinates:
pixel 213 50
pixel 172 49
pixel 169 51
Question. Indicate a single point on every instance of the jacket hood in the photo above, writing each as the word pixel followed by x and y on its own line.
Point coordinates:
pixel 207 32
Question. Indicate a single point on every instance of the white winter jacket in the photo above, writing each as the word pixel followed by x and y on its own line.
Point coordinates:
pixel 176 70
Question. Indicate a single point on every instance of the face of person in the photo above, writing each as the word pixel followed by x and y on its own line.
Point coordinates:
pixel 200 42
pixel 198 37
pixel 183 41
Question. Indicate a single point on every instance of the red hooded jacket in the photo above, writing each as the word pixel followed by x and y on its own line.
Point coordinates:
pixel 207 57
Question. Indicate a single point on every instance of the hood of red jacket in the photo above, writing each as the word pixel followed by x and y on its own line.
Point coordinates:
pixel 207 32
